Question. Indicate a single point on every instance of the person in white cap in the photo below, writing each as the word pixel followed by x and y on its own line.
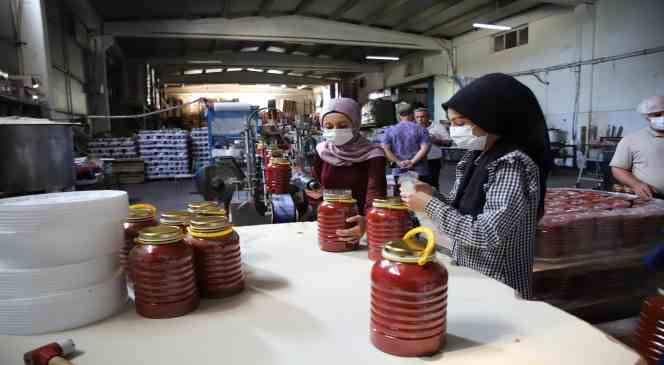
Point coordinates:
pixel 639 158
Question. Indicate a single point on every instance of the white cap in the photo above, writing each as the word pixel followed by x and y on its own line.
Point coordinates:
pixel 67 347
pixel 653 104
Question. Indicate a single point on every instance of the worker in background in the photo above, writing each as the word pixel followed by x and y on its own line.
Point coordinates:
pixel 346 160
pixel 439 137
pixel 492 212
pixel 407 144
pixel 639 158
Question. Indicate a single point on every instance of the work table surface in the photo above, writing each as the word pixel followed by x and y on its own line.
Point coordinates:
pixel 306 306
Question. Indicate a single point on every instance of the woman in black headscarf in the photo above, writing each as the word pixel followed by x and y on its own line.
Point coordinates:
pixel 498 196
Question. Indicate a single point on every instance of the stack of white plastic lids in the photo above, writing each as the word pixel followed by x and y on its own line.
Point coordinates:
pixel 58 263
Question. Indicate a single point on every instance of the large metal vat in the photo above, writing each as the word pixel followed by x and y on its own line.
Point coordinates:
pixel 36 155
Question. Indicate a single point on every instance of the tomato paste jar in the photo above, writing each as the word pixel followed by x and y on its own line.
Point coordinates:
pixel 649 335
pixel 409 298
pixel 176 218
pixel 197 207
pixel 336 208
pixel 278 176
pixel 387 220
pixel 217 256
pixel 162 266
pixel 140 216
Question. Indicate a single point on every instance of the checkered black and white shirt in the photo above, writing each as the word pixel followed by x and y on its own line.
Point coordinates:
pixel 500 242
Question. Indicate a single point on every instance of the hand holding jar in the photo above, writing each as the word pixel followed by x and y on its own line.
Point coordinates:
pixel 416 201
pixel 355 233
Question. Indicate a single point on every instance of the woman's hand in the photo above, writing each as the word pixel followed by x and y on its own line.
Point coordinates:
pixel 353 234
pixel 416 201
pixel 423 187
pixel 314 194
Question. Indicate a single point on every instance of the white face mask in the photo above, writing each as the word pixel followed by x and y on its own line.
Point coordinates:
pixel 657 123
pixel 338 136
pixel 463 137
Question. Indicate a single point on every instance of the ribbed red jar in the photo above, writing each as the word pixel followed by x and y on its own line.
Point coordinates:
pixel 408 302
pixel 137 219
pixel 387 220
pixel 217 256
pixel 649 336
pixel 278 176
pixel 162 266
pixel 336 208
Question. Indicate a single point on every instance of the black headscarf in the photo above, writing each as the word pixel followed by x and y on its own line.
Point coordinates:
pixel 501 105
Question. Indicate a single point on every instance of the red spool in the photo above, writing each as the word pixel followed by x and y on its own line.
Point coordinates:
pixel 408 300
pixel 217 256
pixel 162 266
pixel 387 220
pixel 278 175
pixel 649 336
pixel 336 208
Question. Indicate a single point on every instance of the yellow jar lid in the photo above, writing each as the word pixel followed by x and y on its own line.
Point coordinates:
pixel 212 211
pixel 175 217
pixel 208 223
pixel 411 251
pixel 159 235
pixel 279 161
pixel 139 215
pixel 203 204
pixel 390 203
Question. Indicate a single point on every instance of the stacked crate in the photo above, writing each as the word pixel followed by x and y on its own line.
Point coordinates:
pixel 200 148
pixel 118 148
pixel 165 152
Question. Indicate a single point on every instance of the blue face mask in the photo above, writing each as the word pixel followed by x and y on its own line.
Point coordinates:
pixel 657 123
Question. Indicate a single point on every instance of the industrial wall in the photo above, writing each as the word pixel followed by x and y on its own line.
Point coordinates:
pixel 608 91
pixel 8 31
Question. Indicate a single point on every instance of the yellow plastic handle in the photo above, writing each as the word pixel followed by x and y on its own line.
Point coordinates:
pixel 210 235
pixel 412 244
pixel 144 206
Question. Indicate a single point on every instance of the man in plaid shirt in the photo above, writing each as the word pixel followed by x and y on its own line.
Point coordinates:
pixel 498 196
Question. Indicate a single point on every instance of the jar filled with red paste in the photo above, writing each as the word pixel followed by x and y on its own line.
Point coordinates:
pixel 176 218
pixel 140 216
pixel 278 176
pixel 409 298
pixel 217 256
pixel 336 208
pixel 649 335
pixel 387 220
pixel 162 266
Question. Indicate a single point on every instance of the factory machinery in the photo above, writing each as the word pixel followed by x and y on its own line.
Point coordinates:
pixel 265 164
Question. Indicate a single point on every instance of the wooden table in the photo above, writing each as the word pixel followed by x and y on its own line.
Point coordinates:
pixel 305 306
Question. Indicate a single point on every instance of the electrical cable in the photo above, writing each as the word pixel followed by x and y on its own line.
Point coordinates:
pixel 131 116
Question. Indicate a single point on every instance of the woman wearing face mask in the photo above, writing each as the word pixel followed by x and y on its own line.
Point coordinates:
pixel 498 196
pixel 346 160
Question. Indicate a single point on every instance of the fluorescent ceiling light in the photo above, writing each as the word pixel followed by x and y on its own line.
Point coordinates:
pixel 263 85
pixel 35 97
pixel 276 49
pixel 255 69
pixel 4 74
pixel 295 74
pixel 278 72
pixel 384 58
pixel 193 72
pixel 213 70
pixel 249 49
pixel 283 86
pixel 316 76
pixel 204 62
pixel 324 56
pixel 233 69
pixel 302 87
pixel 491 26
pixel 299 53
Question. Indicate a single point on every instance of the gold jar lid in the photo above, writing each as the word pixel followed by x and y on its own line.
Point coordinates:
pixel 175 217
pixel 211 211
pixel 409 251
pixel 159 235
pixel 208 223
pixel 390 203
pixel 338 195
pixel 203 204
pixel 279 161
pixel 139 215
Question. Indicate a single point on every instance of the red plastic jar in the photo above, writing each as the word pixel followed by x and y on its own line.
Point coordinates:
pixel 409 299
pixel 336 208
pixel 176 218
pixel 162 266
pixel 387 220
pixel 217 256
pixel 649 335
pixel 278 176
pixel 139 217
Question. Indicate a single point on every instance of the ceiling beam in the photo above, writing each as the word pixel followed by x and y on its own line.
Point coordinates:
pixel 494 16
pixel 461 12
pixel 290 28
pixel 263 60
pixel 428 13
pixel 382 11
pixel 343 9
pixel 570 2
pixel 241 77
